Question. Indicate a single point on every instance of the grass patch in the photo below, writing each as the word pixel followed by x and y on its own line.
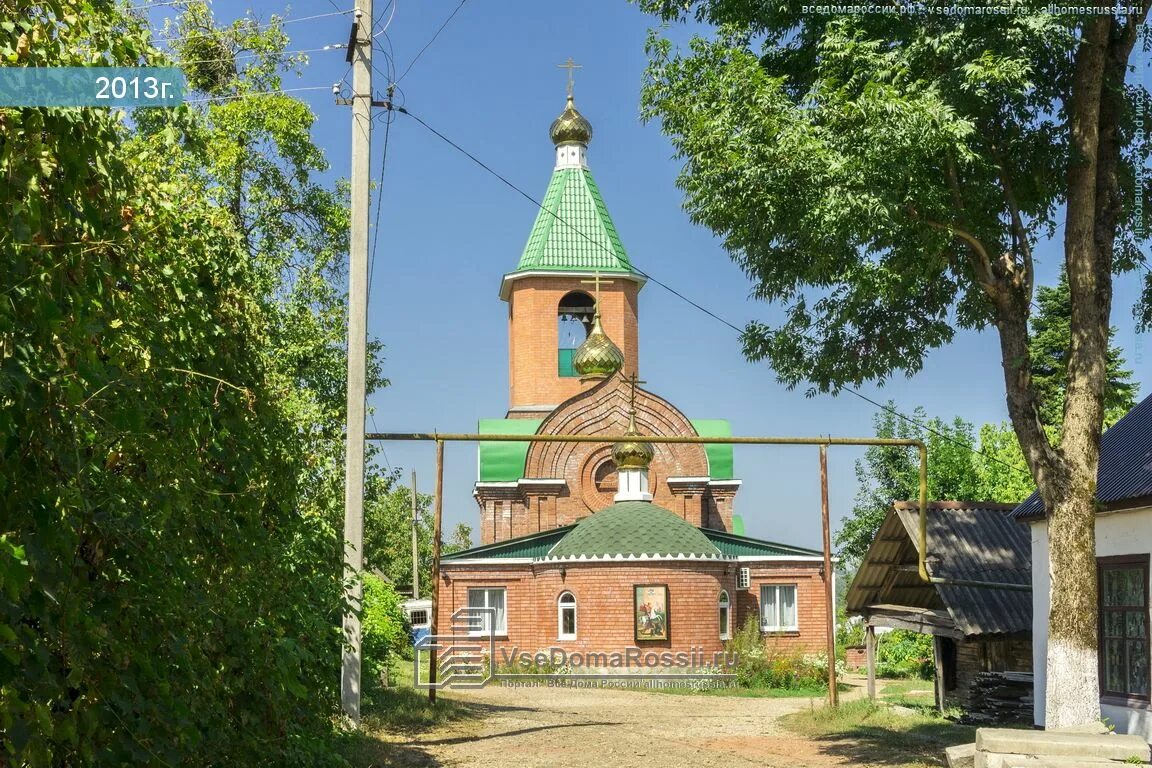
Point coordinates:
pixel 867 733
pixel 908 693
pixel 392 715
pixel 404 708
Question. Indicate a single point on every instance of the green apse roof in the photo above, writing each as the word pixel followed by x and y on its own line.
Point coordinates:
pixel 735 545
pixel 532 545
pixel 634 529
pixel 573 230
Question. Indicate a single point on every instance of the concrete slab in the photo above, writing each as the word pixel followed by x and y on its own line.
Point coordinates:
pixel 961 756
pixel 1084 745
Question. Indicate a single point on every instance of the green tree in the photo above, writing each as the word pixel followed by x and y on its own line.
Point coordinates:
pixel 1051 339
pixel 384 626
pixel 887 176
pixel 892 473
pixel 388 531
pixel 170 401
pixel 460 539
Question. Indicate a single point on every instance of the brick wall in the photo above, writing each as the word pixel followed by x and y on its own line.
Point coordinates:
pixel 812 636
pixel 604 599
pixel 532 339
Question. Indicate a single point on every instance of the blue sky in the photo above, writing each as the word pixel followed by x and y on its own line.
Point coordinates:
pixel 449 231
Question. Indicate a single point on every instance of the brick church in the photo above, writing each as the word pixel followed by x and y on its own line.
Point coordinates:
pixel 598 547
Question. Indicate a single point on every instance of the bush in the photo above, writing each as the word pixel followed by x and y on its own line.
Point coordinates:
pixel 904 654
pixel 764 664
pixel 383 625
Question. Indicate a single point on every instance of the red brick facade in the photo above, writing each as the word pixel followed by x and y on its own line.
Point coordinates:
pixel 533 302
pixel 605 603
pixel 583 473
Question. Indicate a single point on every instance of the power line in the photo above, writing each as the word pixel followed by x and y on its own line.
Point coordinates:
pixel 681 296
pixel 258 25
pixel 429 43
pixel 230 97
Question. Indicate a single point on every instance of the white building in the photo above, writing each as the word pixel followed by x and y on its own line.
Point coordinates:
pixel 1123 543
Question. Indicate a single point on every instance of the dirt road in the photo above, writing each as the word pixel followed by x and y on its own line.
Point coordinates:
pixel 553 727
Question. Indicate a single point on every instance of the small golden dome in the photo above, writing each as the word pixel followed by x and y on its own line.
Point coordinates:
pixel 570 126
pixel 631 454
pixel 597 356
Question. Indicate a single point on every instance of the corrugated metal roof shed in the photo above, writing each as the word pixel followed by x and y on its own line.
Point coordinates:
pixel 972 541
pixel 1125 471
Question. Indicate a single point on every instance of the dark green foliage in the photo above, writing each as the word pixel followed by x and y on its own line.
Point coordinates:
pixel 1051 336
pixel 848 162
pixel 388 531
pixel 901 653
pixel 170 580
pixel 956 471
pixel 384 628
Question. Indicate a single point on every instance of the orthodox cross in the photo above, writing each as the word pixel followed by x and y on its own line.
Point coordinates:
pixel 597 282
pixel 635 381
pixel 568 65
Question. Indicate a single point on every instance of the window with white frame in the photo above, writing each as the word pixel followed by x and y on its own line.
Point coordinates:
pixel 724 616
pixel 567 616
pixel 778 608
pixel 487 623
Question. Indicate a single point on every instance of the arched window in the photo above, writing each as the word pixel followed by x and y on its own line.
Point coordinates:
pixel 573 323
pixel 725 631
pixel 567 606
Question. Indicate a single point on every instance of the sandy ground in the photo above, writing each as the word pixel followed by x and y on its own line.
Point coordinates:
pixel 547 727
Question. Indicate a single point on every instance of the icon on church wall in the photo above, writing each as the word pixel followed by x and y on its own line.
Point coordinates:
pixel 651 612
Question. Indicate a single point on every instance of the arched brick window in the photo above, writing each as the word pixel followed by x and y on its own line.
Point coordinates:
pixel 566 605
pixel 573 323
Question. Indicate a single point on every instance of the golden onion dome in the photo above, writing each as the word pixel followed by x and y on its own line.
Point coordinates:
pixel 597 356
pixel 631 454
pixel 570 126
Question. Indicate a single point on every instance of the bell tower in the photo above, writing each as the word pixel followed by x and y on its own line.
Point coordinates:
pixel 573 265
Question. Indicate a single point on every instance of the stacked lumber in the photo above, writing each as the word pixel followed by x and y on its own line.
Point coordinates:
pixel 996 698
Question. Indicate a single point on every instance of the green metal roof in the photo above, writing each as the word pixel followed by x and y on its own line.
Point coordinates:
pixel 734 545
pixel 719 456
pixel 634 529
pixel 504 462
pixel 532 545
pixel 573 230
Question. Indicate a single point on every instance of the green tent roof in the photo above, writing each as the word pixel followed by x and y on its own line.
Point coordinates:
pixel 573 230
pixel 634 529
pixel 504 462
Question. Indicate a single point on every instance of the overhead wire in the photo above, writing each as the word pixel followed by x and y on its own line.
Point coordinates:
pixel 428 44
pixel 926 427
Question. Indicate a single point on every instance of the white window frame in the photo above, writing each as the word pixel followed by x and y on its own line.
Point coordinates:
pixel 765 618
pixel 563 605
pixel 724 615
pixel 488 592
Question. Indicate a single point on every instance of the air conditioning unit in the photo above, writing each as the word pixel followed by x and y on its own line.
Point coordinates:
pixel 744 578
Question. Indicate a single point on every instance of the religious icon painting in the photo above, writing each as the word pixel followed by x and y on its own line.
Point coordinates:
pixel 651 612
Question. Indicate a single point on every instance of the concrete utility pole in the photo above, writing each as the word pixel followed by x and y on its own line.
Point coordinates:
pixel 415 544
pixel 360 55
